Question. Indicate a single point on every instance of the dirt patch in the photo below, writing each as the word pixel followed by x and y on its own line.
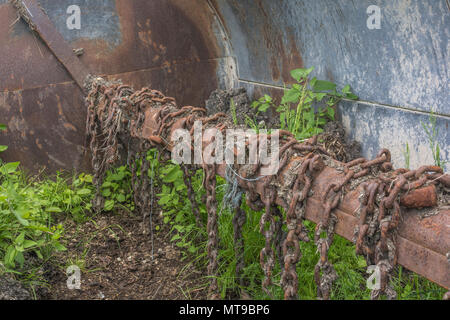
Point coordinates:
pixel 335 141
pixel 220 101
pixel 115 256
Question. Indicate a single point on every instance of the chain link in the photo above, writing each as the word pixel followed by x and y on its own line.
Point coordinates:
pixel 115 123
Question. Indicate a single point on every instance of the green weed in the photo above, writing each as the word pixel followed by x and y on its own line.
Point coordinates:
pixel 304 122
pixel 407 156
pixel 306 95
pixel 432 132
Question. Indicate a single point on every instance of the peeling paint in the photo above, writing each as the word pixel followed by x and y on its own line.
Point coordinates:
pixel 175 46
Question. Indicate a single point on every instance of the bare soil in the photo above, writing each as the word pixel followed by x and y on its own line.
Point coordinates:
pixel 115 255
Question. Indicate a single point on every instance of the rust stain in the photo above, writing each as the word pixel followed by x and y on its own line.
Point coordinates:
pixel 70 126
pixel 168 44
pixel 282 60
pixel 275 69
pixel 429 224
pixel 146 37
pixel 420 198
pixel 59 105
pixel 38 144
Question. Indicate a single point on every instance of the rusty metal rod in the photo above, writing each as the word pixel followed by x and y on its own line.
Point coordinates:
pixel 422 243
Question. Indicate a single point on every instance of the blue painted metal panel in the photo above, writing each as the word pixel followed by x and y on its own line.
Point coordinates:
pixel 379 127
pixel 99 20
pixel 405 63
pixel 399 71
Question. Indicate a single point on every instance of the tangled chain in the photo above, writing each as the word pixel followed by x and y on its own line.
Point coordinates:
pixel 105 111
pixel 116 123
pixel 380 213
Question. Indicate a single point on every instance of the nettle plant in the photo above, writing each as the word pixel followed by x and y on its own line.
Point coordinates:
pixel 313 100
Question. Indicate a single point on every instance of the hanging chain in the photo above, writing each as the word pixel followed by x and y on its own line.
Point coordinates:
pixel 115 123
pixel 239 220
pixel 212 230
pixel 187 176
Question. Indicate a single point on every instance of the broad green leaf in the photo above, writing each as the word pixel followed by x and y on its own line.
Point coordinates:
pixel 2 127
pixel 10 256
pixel 20 218
pixel 351 96
pixel 192 249
pixel 10 167
pixel 320 96
pixel 164 200
pixel 29 243
pixel 20 259
pixel 20 238
pixel 107 184
pixel 264 107
pixel 291 96
pixel 3 148
pixel 59 247
pixel 318 131
pixel 118 176
pixel 121 198
pixel 299 74
pixel 84 192
pixel 109 205
pixel 172 175
pixel 322 85
pixel 267 98
pixel 39 254
pixel 330 113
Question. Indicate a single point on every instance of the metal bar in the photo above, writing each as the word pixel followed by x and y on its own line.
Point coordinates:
pixel 33 14
pixel 422 243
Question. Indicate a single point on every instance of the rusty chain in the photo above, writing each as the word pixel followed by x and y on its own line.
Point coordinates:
pixel 212 229
pixel 188 173
pixel 116 118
